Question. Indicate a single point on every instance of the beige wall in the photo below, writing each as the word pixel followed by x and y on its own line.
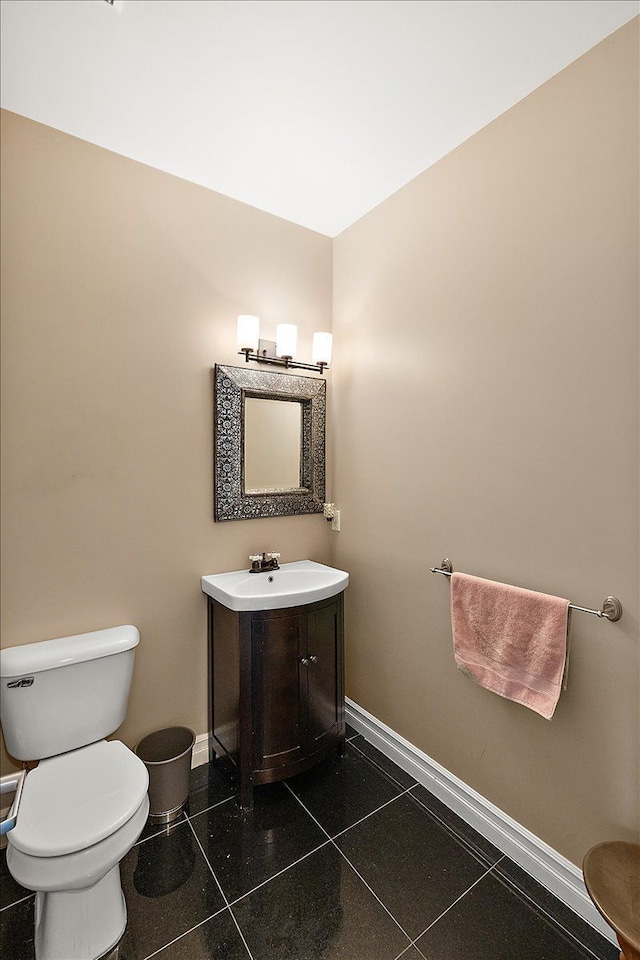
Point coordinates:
pixel 485 407
pixel 121 286
pixel 488 411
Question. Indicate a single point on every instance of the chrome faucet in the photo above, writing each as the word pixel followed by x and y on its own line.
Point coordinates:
pixel 262 563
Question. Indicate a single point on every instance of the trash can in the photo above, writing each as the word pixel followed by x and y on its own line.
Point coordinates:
pixel 167 756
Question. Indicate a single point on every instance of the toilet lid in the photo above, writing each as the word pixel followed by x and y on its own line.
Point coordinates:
pixel 74 800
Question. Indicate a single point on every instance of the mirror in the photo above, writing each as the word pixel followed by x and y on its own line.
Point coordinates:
pixel 272 431
pixel 269 457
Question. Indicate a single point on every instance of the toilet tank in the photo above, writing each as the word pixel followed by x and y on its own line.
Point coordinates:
pixel 65 693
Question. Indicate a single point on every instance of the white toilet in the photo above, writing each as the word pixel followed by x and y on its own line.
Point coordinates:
pixel 85 804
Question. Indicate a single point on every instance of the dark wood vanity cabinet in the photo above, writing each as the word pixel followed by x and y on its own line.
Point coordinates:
pixel 276 688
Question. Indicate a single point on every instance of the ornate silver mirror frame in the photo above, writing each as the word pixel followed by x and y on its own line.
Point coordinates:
pixel 232 385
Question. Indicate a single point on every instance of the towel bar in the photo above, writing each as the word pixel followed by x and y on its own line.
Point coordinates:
pixel 611 608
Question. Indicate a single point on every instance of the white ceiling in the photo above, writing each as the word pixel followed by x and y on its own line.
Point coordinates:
pixel 314 110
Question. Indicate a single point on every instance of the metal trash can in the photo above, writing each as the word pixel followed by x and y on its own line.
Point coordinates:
pixel 167 756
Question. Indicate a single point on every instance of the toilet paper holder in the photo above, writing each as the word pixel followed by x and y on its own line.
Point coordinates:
pixel 14 781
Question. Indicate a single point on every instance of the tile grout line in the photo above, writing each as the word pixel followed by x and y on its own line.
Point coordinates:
pixel 378 767
pixel 466 844
pixel 495 869
pixel 404 952
pixel 583 946
pixel 231 903
pixel 190 930
pixel 344 856
pixel 184 818
pixel 403 792
pixel 513 888
pixel 214 806
pixel 415 946
pixel 331 840
pixel 366 817
pixel 361 820
pixel 413 943
pixel 355 824
pixel 213 873
pixel 258 886
pixel 161 831
pixel 474 851
pixel 452 905
pixel 374 894
pixel 17 902
pixel 206 919
pixel 486 873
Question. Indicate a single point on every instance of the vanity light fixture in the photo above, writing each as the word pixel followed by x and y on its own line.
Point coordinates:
pixel 281 352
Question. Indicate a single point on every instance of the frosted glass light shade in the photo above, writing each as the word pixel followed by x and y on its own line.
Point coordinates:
pixel 321 351
pixel 248 332
pixel 286 340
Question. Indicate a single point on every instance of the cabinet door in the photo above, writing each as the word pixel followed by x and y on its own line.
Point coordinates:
pixel 279 713
pixel 325 686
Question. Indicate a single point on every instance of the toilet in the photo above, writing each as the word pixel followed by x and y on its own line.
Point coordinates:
pixel 85 804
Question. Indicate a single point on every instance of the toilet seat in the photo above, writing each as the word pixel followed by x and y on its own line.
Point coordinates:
pixel 75 800
pixel 79 870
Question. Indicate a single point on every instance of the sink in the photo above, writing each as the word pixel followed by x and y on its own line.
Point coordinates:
pixel 294 584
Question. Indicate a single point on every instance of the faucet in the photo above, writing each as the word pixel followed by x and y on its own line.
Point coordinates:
pixel 264 562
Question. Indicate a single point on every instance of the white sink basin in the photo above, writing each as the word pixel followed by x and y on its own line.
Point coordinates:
pixel 304 581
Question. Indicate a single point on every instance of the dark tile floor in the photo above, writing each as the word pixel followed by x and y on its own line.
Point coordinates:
pixel 351 860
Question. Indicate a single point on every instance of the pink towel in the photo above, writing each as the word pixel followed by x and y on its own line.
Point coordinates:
pixel 509 640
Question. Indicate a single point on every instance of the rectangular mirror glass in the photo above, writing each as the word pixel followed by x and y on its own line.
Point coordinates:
pixel 272 433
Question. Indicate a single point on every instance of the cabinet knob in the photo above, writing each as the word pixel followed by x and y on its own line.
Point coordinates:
pixel 313 659
pixel 305 661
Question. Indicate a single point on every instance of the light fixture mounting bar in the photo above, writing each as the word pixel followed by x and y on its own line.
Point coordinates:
pixel 266 354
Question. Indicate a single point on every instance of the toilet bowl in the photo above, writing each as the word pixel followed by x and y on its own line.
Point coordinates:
pixel 80 813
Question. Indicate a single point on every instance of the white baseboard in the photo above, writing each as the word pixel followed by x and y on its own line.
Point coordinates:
pixel 546 865
pixel 200 750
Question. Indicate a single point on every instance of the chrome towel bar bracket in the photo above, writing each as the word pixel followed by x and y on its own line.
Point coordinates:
pixel 611 608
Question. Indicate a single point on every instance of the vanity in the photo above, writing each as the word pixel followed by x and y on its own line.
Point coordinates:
pixel 276 655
